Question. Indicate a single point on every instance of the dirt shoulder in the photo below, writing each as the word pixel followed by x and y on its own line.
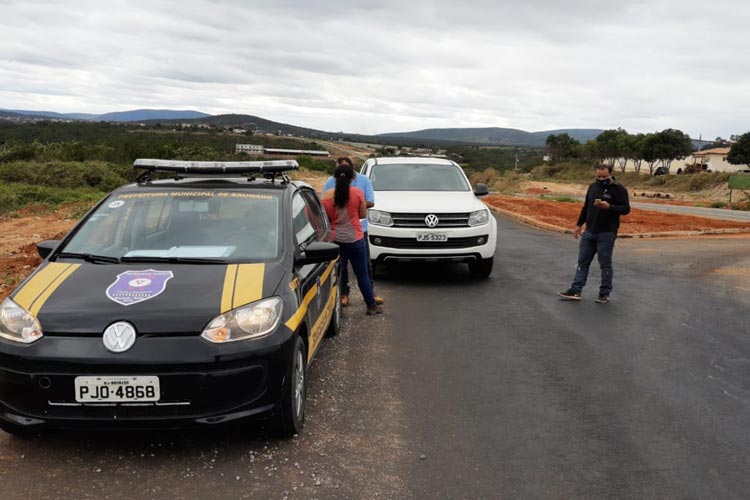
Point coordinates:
pixel 562 216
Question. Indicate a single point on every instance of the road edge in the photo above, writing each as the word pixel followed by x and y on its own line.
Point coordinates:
pixel 663 234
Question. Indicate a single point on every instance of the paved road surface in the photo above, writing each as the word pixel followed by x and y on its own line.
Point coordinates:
pixel 713 213
pixel 476 390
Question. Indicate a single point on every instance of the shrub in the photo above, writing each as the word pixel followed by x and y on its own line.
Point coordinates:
pixel 14 196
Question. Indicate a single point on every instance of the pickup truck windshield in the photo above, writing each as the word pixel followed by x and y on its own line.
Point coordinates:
pixel 418 177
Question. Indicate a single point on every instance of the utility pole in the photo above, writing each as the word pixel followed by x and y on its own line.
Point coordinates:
pixel 516 167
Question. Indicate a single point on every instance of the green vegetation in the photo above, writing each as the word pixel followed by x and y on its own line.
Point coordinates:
pixel 739 154
pixel 52 163
pixel 478 158
pixel 14 196
pixel 563 199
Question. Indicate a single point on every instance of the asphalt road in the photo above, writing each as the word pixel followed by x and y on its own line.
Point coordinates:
pixel 492 389
pixel 713 213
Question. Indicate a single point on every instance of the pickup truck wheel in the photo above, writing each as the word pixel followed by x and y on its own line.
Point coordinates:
pixel 481 268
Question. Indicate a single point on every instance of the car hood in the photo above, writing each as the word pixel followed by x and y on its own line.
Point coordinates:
pixel 84 298
pixel 427 201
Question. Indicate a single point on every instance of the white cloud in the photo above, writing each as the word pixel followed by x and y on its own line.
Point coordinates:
pixel 383 66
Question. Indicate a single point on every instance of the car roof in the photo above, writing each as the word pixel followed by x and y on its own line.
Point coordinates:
pixel 215 183
pixel 412 159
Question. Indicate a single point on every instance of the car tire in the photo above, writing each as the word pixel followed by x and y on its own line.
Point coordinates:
pixel 18 430
pixel 294 393
pixel 334 326
pixel 481 268
pixel 374 267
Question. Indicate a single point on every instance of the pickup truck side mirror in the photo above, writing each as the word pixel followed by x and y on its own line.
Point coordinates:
pixel 481 190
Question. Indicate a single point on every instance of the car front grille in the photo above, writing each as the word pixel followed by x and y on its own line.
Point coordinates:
pixel 417 220
pixel 384 241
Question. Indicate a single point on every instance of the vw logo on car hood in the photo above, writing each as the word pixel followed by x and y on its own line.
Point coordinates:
pixel 431 220
pixel 119 337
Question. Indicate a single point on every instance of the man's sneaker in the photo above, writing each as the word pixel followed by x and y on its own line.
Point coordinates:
pixel 570 294
pixel 344 300
pixel 379 300
pixel 602 299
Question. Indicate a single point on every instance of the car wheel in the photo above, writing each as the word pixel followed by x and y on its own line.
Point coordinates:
pixel 294 393
pixel 334 326
pixel 18 430
pixel 481 268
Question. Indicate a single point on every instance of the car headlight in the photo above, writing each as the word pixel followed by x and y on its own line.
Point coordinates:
pixel 480 217
pixel 17 324
pixel 247 322
pixel 379 218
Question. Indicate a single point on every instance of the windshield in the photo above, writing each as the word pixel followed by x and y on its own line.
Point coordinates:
pixel 216 225
pixel 418 177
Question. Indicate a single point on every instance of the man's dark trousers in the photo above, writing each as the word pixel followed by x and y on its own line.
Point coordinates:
pixel 603 245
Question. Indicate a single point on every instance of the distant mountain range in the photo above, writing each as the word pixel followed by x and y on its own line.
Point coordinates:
pixel 490 136
pixel 135 115
pixel 494 136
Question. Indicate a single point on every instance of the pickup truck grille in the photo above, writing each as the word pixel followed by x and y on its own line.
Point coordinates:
pixel 417 220
pixel 412 243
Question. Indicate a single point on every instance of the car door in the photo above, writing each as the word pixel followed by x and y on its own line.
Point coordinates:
pixel 315 280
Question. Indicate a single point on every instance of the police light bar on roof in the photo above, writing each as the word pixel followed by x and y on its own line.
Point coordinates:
pixel 216 167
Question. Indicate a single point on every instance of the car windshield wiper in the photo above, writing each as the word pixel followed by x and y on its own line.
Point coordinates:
pixel 177 260
pixel 88 257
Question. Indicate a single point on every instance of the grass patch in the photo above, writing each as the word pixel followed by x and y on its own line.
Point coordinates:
pixel 563 199
pixel 14 196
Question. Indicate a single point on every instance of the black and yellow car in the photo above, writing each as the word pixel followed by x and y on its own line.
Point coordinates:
pixel 196 299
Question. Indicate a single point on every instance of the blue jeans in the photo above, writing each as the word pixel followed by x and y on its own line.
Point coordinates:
pixel 345 273
pixel 356 253
pixel 603 245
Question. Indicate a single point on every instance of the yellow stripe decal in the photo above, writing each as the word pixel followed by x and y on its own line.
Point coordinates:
pixel 36 285
pixel 227 294
pixel 36 306
pixel 318 330
pixel 249 284
pixel 296 319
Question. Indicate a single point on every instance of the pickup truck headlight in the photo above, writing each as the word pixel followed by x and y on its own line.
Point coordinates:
pixel 479 218
pixel 17 324
pixel 250 321
pixel 379 218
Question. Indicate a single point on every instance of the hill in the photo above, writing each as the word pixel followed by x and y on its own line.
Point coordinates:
pixel 118 116
pixel 492 136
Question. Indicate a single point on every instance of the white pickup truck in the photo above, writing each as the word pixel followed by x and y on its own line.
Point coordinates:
pixel 425 210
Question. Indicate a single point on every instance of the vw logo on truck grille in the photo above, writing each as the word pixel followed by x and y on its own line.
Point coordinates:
pixel 119 337
pixel 431 220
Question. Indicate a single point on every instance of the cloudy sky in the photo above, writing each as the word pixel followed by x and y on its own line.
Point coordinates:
pixel 384 66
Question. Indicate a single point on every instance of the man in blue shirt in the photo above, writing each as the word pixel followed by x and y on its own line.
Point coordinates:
pixel 363 183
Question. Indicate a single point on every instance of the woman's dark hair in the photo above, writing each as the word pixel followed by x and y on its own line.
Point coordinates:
pixel 343 174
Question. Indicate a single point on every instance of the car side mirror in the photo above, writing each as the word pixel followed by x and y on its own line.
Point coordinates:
pixel 318 251
pixel 481 190
pixel 45 247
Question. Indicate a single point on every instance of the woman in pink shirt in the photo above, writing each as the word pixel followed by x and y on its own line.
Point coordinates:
pixel 345 205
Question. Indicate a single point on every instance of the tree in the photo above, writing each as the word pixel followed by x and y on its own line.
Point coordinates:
pixel 609 144
pixel 648 151
pixel 672 144
pixel 739 153
pixel 635 149
pixel 562 147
